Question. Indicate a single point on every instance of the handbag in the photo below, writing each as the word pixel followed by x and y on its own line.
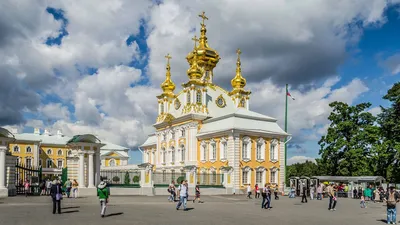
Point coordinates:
pixel 58 194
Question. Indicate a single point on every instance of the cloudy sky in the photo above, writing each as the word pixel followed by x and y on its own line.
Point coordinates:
pixel 96 66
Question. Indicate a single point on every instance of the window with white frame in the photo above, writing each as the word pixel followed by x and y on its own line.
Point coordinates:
pixel 188 97
pixel 273 150
pixel 183 133
pixel 260 149
pixel 148 157
pixel 112 162
pixel 49 152
pixel 246 145
pixel 173 135
pixel 28 149
pixel 163 155
pixel 213 177
pixel 59 152
pixel 16 148
pixel 273 176
pixel 69 153
pixel 28 161
pixel 198 97
pixel 49 163
pixel 60 164
pixel 203 177
pixel 182 153
pixel 203 151
pixel 164 176
pixel 213 148
pixel 172 154
pixel 245 175
pixel 259 176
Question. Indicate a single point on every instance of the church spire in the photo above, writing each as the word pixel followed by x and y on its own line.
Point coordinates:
pixel 238 82
pixel 168 86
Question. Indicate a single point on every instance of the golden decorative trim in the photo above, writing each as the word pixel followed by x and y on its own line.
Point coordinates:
pixel 177 104
pixel 219 103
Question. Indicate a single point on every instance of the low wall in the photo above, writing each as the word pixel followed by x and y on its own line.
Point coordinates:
pixel 125 191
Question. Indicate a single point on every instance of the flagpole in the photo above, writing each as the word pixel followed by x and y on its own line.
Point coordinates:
pixel 286 111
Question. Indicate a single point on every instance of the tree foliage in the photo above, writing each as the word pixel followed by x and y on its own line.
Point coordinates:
pixel 307 168
pixel 357 143
pixel 127 179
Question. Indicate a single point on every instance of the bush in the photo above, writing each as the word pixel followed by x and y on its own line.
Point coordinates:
pixel 116 179
pixel 136 179
pixel 127 179
pixel 180 179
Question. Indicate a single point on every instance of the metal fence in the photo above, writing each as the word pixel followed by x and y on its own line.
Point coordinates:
pixel 163 178
pixel 121 177
pixel 30 174
pixel 210 179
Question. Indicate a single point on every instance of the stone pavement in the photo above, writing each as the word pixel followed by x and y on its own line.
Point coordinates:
pixel 221 210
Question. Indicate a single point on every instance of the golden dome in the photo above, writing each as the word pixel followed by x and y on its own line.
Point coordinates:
pixel 194 72
pixel 207 57
pixel 168 86
pixel 238 82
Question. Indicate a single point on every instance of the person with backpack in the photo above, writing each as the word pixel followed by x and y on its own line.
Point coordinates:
pixel 102 192
pixel 392 198
pixel 183 195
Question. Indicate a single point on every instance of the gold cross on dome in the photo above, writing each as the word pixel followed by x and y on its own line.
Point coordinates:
pixel 168 57
pixel 238 52
pixel 203 16
pixel 195 40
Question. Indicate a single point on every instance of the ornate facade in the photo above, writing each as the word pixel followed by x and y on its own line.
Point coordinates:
pixel 212 129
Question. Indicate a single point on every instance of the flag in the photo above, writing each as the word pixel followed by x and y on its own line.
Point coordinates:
pixel 288 94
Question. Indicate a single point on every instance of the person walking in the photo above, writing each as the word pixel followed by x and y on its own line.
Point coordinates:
pixel 197 196
pixel 248 191
pixel 312 191
pixel 75 188
pixel 264 196
pixel 27 187
pixel 276 193
pixel 171 190
pixel 304 195
pixel 391 199
pixel 319 192
pixel 68 187
pixel 48 186
pixel 56 195
pixel 42 187
pixel 355 193
pixel 269 197
pixel 102 192
pixel 256 191
pixel 183 195
pixel 332 199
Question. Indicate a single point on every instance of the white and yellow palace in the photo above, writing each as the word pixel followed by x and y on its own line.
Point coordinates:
pixel 211 129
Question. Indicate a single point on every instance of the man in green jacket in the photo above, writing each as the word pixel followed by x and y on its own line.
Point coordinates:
pixel 102 192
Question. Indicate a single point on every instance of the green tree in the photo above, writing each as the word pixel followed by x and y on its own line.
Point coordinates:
pixel 116 179
pixel 389 146
pixel 345 149
pixel 136 179
pixel 127 179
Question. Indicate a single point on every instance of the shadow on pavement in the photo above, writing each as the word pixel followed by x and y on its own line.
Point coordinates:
pixel 383 221
pixel 71 211
pixel 71 207
pixel 114 214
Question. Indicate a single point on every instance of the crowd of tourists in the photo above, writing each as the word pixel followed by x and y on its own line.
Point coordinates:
pixel 183 192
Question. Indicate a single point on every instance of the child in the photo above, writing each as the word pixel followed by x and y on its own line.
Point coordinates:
pixel 102 192
pixel 362 202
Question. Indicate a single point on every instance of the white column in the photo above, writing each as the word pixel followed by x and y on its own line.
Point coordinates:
pixel 165 105
pixel 193 142
pixel 3 150
pixel 159 108
pixel 247 104
pixel 281 171
pixel 81 168
pixel 204 96
pixel 91 170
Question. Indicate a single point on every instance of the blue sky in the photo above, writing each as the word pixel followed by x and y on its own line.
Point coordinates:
pixel 100 73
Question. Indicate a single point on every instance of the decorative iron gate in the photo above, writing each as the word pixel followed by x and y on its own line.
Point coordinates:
pixel 28 173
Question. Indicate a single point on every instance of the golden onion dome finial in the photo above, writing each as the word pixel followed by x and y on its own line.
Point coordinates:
pixel 194 72
pixel 168 86
pixel 238 82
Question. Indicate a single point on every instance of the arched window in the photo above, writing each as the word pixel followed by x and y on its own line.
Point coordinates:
pixel 246 148
pixel 172 154
pixel 69 153
pixel 163 155
pixel 49 152
pixel 260 149
pixel 162 108
pixel 112 162
pixel 242 103
pixel 59 152
pixel 213 150
pixel 188 97
pixel 273 150
pixel 49 163
pixel 203 152
pixel 28 149
pixel 223 154
pixel 182 153
pixel 198 97
pixel 16 148
pixel 60 164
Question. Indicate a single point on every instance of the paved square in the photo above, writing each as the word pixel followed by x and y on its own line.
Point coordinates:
pixel 219 210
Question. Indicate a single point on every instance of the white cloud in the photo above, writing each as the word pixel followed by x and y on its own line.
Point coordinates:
pixel 375 110
pixel 55 111
pixel 299 159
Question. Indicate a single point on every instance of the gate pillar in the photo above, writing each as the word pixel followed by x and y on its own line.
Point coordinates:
pixel 3 188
